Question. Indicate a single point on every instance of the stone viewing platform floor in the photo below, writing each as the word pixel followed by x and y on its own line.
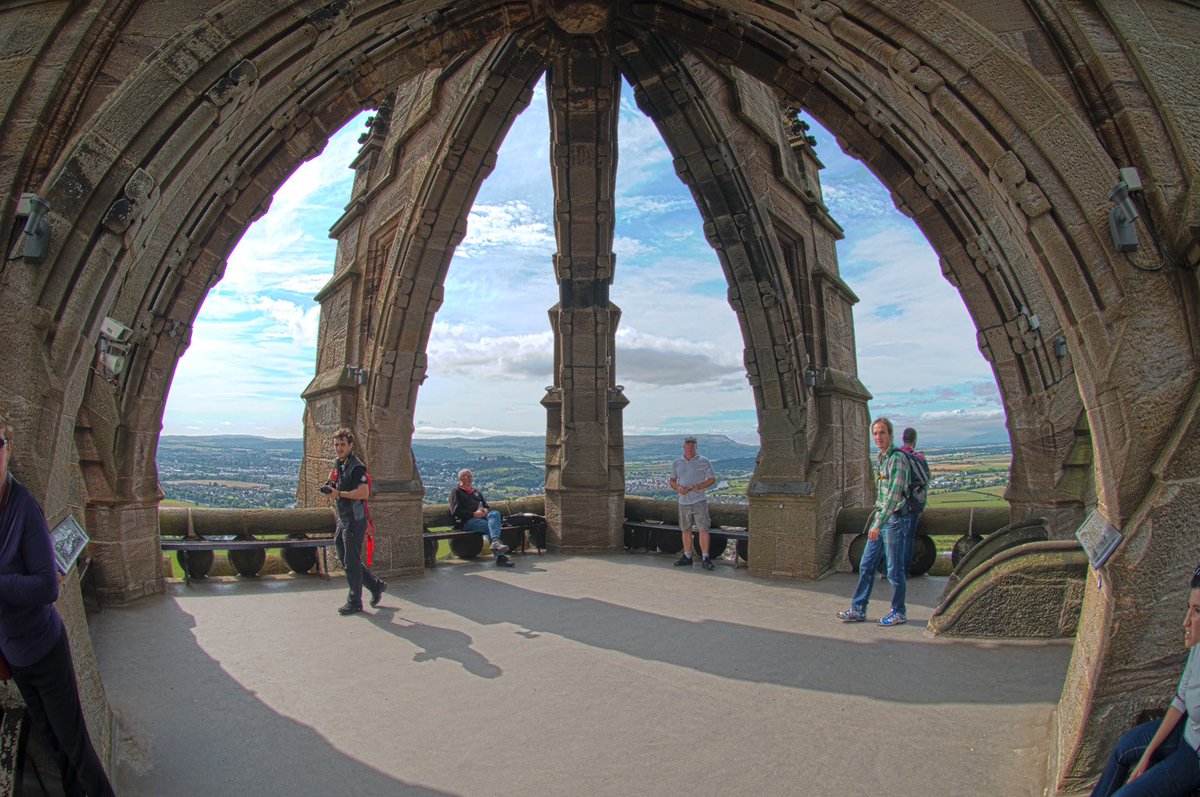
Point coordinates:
pixel 599 675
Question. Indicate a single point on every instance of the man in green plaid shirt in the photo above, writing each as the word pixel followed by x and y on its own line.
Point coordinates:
pixel 889 530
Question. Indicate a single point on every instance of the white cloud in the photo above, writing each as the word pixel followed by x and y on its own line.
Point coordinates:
pixel 301 322
pixel 464 351
pixel 635 206
pixel 512 224
pixel 624 246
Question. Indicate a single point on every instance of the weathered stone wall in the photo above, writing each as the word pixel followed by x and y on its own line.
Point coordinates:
pixel 158 131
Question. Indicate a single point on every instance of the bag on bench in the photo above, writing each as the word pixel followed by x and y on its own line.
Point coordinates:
pixel 534 526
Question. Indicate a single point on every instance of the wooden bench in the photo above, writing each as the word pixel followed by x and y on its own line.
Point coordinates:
pixel 668 538
pixel 469 544
pixel 300 554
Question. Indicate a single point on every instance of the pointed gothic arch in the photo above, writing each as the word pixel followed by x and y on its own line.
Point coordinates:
pixel 1002 146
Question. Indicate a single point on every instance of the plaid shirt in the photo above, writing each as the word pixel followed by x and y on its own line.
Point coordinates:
pixel 893 480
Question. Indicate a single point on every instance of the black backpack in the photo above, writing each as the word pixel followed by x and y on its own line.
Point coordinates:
pixel 918 479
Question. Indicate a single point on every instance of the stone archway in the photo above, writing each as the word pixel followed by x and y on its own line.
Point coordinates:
pixel 1001 138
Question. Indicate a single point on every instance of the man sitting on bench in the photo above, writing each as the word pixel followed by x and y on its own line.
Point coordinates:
pixel 472 513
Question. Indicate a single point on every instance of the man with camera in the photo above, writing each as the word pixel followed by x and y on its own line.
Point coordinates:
pixel 347 487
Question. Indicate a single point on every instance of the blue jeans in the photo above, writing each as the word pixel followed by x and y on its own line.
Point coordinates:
pixel 489 525
pixel 1174 771
pixel 896 537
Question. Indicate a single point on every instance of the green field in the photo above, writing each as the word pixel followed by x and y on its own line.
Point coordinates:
pixel 983 496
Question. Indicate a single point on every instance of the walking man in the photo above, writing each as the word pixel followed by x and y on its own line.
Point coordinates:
pixel 472 513
pixel 889 528
pixel 691 475
pixel 348 488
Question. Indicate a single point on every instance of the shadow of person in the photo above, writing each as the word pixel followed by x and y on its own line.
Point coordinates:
pixel 434 643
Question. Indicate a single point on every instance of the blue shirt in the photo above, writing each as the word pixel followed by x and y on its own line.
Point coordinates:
pixel 29 623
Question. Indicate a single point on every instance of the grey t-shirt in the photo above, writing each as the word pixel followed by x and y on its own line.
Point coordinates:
pixel 690 472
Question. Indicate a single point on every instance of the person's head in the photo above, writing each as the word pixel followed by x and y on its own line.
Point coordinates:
pixel 1191 620
pixel 465 477
pixel 909 436
pixel 882 433
pixel 689 447
pixel 5 444
pixel 343 442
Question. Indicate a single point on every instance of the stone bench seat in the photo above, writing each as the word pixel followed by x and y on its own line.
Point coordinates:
pixel 246 555
pixel 667 538
pixel 517 532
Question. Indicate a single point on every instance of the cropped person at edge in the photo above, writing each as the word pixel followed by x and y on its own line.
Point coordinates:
pixel 1158 758
pixel 33 638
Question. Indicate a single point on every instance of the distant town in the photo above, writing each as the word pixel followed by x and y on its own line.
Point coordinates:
pixel 247 472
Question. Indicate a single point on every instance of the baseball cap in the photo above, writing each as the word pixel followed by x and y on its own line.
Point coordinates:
pixel 689 439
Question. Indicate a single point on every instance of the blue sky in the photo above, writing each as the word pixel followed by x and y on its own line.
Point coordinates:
pixel 679 350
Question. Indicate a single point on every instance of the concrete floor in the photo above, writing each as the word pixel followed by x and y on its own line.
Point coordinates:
pixel 602 675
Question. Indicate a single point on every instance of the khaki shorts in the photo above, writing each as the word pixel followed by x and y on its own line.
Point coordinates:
pixel 694 516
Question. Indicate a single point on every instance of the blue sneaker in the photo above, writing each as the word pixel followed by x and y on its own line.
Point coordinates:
pixel 851 616
pixel 893 618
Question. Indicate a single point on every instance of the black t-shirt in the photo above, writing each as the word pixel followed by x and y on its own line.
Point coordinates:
pixel 463 504
pixel 350 474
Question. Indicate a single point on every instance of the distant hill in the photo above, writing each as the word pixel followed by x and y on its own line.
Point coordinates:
pixel 533 448
pixel 230 442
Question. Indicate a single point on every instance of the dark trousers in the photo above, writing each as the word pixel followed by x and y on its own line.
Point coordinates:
pixel 49 690
pixel 349 545
pixel 1175 770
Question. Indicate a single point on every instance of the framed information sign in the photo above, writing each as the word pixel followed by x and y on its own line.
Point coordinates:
pixel 1099 538
pixel 69 540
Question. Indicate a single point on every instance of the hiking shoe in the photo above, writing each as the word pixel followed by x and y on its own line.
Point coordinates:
pixel 684 561
pixel 851 616
pixel 504 561
pixel 707 564
pixel 349 608
pixel 498 547
pixel 377 593
pixel 893 618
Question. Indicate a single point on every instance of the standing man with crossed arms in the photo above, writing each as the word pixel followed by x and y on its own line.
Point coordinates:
pixel 691 475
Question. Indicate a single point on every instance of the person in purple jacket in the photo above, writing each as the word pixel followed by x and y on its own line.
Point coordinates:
pixel 32 637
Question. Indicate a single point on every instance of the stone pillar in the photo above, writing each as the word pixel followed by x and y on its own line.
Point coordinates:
pixel 330 400
pixel 585 464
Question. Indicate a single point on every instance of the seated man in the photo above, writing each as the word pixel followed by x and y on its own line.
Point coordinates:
pixel 471 513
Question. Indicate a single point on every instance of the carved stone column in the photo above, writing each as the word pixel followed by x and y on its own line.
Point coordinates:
pixel 585 462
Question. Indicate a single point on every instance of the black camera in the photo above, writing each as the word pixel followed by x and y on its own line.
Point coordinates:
pixel 327 487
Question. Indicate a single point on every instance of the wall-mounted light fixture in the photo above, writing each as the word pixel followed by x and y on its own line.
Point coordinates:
pixel 115 340
pixel 1122 217
pixel 357 372
pixel 1060 347
pixel 37 231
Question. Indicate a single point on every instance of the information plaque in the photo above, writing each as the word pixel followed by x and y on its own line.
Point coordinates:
pixel 69 541
pixel 1099 538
